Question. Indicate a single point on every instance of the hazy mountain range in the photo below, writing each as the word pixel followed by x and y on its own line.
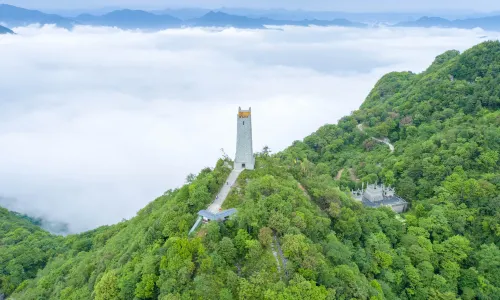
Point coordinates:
pixel 487 23
pixel 132 19
pixel 13 16
pixel 389 17
pixel 293 15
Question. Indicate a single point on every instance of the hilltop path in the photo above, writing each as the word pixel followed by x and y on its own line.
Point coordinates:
pixel 385 140
pixel 216 205
pixel 352 175
pixel 224 191
pixel 339 174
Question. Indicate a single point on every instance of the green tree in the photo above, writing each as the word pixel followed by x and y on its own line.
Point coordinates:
pixel 107 287
pixel 227 250
pixel 265 236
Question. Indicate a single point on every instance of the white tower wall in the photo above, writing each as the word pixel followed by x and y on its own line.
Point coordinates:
pixel 244 152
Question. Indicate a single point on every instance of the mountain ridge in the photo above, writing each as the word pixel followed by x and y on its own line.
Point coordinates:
pixel 5 30
pixel 140 19
pixel 240 18
pixel 130 19
pixel 15 16
pixel 486 23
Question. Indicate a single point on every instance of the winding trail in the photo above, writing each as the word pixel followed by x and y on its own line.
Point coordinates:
pixel 280 254
pixel 353 176
pixel 304 190
pixel 275 254
pixel 384 140
pixel 339 174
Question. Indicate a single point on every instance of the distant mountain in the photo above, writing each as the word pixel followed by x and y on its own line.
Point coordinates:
pixel 183 13
pixel 335 22
pixel 130 19
pixel 72 13
pixel 15 16
pixel 221 19
pixel 5 30
pixel 298 15
pixel 139 19
pixel 486 23
pixel 426 22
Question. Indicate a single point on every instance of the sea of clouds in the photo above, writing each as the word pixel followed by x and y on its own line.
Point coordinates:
pixel 97 122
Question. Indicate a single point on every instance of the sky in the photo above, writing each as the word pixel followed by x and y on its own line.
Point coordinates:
pixel 351 6
pixel 97 122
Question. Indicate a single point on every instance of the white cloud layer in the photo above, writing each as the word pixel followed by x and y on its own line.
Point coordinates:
pixel 97 122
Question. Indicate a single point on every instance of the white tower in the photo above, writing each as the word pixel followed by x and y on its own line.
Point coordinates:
pixel 244 152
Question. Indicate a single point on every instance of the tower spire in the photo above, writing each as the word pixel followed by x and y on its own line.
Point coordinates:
pixel 244 151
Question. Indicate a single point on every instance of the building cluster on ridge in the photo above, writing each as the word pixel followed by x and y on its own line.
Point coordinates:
pixel 374 195
pixel 377 195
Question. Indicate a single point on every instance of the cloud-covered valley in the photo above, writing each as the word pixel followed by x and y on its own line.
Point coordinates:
pixel 97 122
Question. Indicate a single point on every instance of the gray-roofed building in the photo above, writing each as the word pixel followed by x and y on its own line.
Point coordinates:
pixel 379 195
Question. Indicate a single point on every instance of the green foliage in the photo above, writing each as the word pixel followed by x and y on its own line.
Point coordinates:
pixel 298 233
pixel 107 287
pixel 265 236
pixel 24 250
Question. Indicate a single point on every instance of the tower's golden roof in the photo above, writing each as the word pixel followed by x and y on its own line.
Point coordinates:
pixel 244 114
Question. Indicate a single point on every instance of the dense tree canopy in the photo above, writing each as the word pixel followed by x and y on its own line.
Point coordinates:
pixel 298 233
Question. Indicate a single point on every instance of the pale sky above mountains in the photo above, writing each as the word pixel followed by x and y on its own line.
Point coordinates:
pixel 335 5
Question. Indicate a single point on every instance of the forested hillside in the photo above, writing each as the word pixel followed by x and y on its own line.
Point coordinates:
pixel 298 233
pixel 24 248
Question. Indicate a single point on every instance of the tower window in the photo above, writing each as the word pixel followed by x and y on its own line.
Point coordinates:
pixel 243 122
